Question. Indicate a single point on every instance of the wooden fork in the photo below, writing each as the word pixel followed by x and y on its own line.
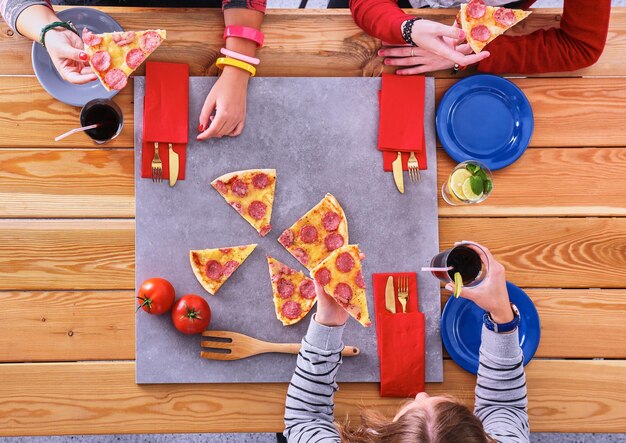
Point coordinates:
pixel 226 345
pixel 403 292
pixel 414 169
pixel 157 165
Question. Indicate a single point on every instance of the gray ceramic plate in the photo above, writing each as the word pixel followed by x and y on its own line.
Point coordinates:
pixel 49 78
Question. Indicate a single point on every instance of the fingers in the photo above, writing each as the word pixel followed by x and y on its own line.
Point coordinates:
pixel 78 78
pixel 205 114
pixel 422 69
pixel 404 61
pixel 448 31
pixel 319 289
pixel 238 130
pixel 72 53
pixel 215 129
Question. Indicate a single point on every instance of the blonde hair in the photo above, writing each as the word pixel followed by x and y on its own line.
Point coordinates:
pixel 447 421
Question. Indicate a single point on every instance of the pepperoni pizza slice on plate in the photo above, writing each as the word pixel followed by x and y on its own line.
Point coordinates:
pixel 294 293
pixel 212 267
pixel 319 232
pixel 341 276
pixel 482 23
pixel 115 55
pixel 251 194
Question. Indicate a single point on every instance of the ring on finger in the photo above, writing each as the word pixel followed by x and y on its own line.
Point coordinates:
pixel 412 55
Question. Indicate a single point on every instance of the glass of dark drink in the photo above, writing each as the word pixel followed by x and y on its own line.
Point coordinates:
pixel 107 115
pixel 460 259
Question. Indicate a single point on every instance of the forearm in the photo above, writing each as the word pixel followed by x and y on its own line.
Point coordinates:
pixel 241 17
pixel 27 16
pixel 501 399
pixel 380 18
pixel 310 397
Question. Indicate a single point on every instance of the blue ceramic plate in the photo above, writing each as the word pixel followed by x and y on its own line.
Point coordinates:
pixel 461 326
pixel 485 118
pixel 75 95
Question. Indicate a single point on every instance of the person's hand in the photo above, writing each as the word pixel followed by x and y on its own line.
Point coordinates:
pixel 491 295
pixel 329 313
pixel 66 51
pixel 228 100
pixel 421 60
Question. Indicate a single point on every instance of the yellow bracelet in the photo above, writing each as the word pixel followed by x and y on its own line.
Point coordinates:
pixel 220 62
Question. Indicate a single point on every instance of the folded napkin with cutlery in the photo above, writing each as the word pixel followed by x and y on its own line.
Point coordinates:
pixel 401 126
pixel 166 115
pixel 401 342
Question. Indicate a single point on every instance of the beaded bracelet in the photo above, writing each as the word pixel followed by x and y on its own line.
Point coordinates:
pixel 220 62
pixel 238 56
pixel 67 25
pixel 245 32
pixel 407 30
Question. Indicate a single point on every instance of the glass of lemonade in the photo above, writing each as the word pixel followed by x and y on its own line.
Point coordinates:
pixel 470 183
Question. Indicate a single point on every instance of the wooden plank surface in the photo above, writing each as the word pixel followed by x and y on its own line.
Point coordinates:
pixel 98 398
pixel 98 325
pixel 298 42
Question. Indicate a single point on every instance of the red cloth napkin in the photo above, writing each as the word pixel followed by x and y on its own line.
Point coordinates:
pixel 401 342
pixel 165 115
pixel 401 126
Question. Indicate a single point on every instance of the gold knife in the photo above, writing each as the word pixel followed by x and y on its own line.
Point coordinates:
pixel 397 173
pixel 173 166
pixel 390 296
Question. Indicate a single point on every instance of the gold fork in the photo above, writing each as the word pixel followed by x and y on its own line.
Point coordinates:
pixel 414 169
pixel 403 292
pixel 157 165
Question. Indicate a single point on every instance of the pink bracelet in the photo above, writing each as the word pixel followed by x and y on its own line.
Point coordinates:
pixel 238 56
pixel 245 32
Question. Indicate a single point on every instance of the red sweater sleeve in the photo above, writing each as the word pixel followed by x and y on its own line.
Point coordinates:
pixel 380 18
pixel 577 44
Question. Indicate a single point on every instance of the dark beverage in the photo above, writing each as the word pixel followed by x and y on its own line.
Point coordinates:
pixel 466 261
pixel 105 113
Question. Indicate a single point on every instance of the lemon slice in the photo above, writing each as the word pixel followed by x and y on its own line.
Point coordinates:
pixel 457 179
pixel 467 191
pixel 458 284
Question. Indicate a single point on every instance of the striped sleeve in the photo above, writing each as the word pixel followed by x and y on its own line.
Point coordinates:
pixel 501 402
pixel 11 9
pixel 256 5
pixel 309 408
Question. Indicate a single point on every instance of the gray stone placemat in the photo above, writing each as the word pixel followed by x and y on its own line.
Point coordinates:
pixel 320 134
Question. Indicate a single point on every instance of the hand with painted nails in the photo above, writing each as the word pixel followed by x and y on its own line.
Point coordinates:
pixel 438 47
pixel 329 313
pixel 227 101
pixel 66 51
pixel 491 294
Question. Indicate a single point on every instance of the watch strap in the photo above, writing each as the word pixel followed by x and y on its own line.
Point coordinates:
pixel 502 327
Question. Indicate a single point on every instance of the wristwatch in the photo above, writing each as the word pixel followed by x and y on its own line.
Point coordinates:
pixel 503 327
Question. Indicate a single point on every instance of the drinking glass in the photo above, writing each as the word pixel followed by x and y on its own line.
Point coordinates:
pixel 470 183
pixel 107 114
pixel 464 260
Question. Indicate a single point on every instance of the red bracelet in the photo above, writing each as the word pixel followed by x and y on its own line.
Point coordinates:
pixel 245 32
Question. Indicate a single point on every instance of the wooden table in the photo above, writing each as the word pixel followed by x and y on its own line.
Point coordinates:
pixel 557 220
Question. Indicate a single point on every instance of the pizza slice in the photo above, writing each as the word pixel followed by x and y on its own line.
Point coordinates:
pixel 251 194
pixel 115 55
pixel 294 293
pixel 318 233
pixel 342 277
pixel 482 23
pixel 212 267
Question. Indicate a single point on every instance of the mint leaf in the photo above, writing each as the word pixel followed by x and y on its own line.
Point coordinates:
pixel 472 168
pixel 488 186
pixel 477 185
pixel 482 174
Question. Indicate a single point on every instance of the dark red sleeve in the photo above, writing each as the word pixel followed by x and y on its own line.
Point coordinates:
pixel 577 44
pixel 380 18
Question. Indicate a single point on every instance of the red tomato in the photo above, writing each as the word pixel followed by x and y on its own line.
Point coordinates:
pixel 191 314
pixel 156 296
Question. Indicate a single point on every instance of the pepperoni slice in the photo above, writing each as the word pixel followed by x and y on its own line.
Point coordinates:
pixel 285 288
pixel 221 187
pixel 504 17
pixel 149 41
pixel 286 238
pixel 480 33
pixel 116 79
pixel 134 58
pixel 308 234
pixel 359 281
pixel 322 276
pixel 333 241
pixel 343 293
pixel 123 38
pixel 331 221
pixel 213 270
pixel 91 39
pixel 301 255
pixel 240 188
pixel 307 289
pixel 257 210
pixel 260 180
pixel 101 61
pixel 237 207
pixel 476 9
pixel 225 250
pixel 230 267
pixel 344 262
pixel 291 310
pixel 265 230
